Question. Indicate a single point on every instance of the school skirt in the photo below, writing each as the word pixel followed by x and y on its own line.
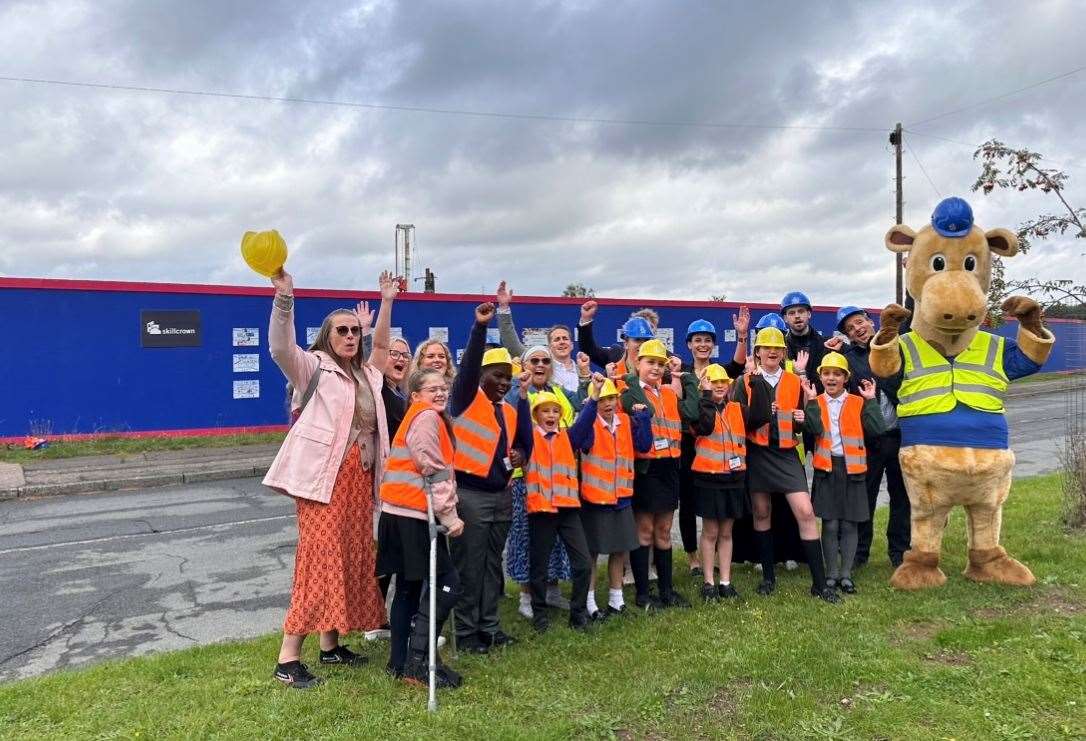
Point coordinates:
pixel 403 548
pixel 720 500
pixel 609 530
pixel 772 469
pixel 838 496
pixel 657 490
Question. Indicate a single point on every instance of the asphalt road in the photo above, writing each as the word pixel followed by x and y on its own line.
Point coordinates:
pixel 89 577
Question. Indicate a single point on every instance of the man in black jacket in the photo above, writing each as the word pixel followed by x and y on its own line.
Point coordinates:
pixel 882 449
pixel 796 311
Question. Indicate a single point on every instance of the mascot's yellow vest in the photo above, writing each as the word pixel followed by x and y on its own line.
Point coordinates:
pixel 933 384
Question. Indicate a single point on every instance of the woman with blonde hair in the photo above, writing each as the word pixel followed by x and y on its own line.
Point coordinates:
pixel 435 354
pixel 331 463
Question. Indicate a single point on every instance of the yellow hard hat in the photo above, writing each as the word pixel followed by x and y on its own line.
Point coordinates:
pixel 542 398
pixel 517 369
pixel 769 337
pixel 652 349
pixel 716 372
pixel 608 389
pixel 264 252
pixel 497 356
pixel 834 360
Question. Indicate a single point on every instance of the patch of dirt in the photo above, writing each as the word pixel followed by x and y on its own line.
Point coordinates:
pixel 1050 601
pixel 950 658
pixel 908 632
pixel 727 700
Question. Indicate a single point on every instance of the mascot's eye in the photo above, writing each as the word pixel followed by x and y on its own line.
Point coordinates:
pixel 970 263
pixel 938 263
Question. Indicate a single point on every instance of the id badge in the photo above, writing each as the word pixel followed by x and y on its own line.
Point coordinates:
pixel 735 462
pixel 508 463
pixel 661 444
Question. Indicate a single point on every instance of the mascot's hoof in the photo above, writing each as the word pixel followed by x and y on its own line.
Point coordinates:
pixel 995 566
pixel 918 570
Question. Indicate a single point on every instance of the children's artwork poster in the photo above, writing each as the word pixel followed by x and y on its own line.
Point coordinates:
pixel 440 334
pixel 311 334
pixel 247 389
pixel 246 363
pixel 459 356
pixel 667 336
pixel 493 335
pixel 729 335
pixel 534 336
pixel 246 337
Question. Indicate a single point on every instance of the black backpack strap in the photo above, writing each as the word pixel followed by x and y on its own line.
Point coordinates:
pixel 310 389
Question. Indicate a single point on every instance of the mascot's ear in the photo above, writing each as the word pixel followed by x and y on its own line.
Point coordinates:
pixel 900 238
pixel 1003 242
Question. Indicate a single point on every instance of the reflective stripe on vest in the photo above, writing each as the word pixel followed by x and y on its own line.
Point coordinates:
pixel 477 434
pixel 931 384
pixel 607 469
pixel 787 398
pixel 666 424
pixel 551 474
pixel 714 453
pixel 852 436
pixel 403 484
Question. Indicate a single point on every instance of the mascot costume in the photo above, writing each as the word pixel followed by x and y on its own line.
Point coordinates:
pixel 954 446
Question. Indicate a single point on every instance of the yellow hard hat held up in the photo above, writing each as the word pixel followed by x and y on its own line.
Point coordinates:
pixel 264 252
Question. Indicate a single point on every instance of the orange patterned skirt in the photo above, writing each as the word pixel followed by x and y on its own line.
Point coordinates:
pixel 334 583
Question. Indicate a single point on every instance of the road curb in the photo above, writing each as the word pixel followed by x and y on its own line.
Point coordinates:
pixel 233 470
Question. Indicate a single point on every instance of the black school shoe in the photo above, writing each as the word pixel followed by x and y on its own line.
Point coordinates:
pixel 343 656
pixel 580 624
pixel 696 572
pixel 541 623
pixel 709 593
pixel 831 583
pixel 674 599
pixel 472 645
pixel 826 595
pixel 497 639
pixel 847 586
pixel 647 603
pixel 417 672
pixel 767 587
pixel 296 674
pixel 599 616
pixel 612 611
pixel 727 591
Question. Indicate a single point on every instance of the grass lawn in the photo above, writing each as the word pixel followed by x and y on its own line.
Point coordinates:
pixel 963 661
pixel 131 445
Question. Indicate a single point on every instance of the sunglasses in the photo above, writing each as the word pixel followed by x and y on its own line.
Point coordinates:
pixel 399 355
pixel 343 330
pixel 539 361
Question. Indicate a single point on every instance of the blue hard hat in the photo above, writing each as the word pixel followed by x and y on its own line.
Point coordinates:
pixel 794 298
pixel 700 326
pixel 952 217
pixel 637 328
pixel 771 320
pixel 844 313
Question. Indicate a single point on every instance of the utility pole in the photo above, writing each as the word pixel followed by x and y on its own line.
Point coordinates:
pixel 408 232
pixel 899 204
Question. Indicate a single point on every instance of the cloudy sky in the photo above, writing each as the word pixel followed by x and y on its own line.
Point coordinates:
pixel 123 185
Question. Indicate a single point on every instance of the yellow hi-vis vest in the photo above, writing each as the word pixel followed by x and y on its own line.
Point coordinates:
pixel 933 384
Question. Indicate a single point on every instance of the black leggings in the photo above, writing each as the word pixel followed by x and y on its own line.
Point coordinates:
pixel 412 603
pixel 688 516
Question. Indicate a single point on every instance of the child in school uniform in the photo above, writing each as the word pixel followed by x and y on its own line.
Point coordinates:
pixel 553 504
pixel 772 463
pixel 839 491
pixel 607 451
pixel 718 472
pixel 656 472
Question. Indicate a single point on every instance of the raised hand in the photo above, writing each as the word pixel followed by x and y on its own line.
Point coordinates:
pixel 597 384
pixel 799 415
pixel 504 295
pixel 365 316
pixel 867 388
pixel 524 378
pixel 834 344
pixel 588 311
pixel 484 313
pixel 891 319
pixel 751 367
pixel 810 393
pixel 675 363
pixel 704 383
pixel 637 408
pixel 801 362
pixel 610 370
pixel 584 365
pixel 741 322
pixel 284 284
pixel 390 286
pixel 1027 312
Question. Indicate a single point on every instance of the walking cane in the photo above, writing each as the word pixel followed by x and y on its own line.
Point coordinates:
pixel 435 529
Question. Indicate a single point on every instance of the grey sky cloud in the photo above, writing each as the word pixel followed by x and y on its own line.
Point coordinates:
pixel 124 185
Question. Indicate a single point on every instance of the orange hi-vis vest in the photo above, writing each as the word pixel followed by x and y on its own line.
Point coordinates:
pixel 852 436
pixel 403 484
pixel 551 474
pixel 724 451
pixel 787 398
pixel 621 371
pixel 667 426
pixel 477 434
pixel 607 469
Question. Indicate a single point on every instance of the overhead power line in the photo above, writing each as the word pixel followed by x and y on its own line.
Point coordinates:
pixel 999 97
pixel 923 170
pixel 438 111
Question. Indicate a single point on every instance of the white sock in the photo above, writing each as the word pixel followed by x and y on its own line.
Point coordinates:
pixel 591 603
pixel 724 582
pixel 615 599
pixel 525 598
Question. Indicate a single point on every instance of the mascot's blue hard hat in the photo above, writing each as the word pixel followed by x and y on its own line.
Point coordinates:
pixel 700 326
pixel 794 298
pixel 637 328
pixel 771 320
pixel 844 313
pixel 952 217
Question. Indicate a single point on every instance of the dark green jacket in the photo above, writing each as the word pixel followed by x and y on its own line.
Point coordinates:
pixel 688 404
